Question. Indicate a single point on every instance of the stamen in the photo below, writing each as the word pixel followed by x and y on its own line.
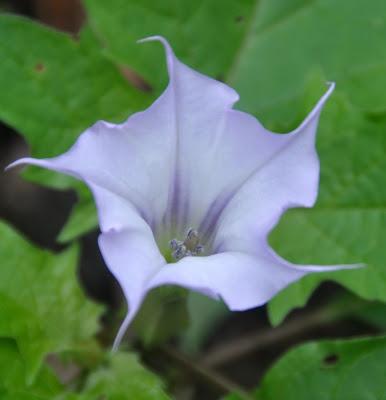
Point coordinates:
pixel 189 247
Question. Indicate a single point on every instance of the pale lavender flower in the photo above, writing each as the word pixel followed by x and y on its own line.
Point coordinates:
pixel 188 190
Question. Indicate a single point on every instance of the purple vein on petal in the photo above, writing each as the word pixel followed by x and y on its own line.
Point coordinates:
pixel 207 226
pixel 172 213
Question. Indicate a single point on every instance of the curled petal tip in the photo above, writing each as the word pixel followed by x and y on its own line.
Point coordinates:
pixel 29 161
pixel 15 164
pixel 151 39
pixel 157 38
pixel 168 49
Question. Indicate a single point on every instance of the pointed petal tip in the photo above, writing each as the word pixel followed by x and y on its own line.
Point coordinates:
pixel 30 161
pixel 18 162
pixel 330 88
pixel 329 268
pixel 10 166
pixel 119 337
pixel 349 266
pixel 318 107
pixel 158 38
pixel 354 266
pixel 324 98
pixel 154 38
pixel 327 94
pixel 123 328
pixel 173 61
pixel 168 49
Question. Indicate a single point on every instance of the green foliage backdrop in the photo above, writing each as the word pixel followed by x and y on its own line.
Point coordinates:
pixel 278 55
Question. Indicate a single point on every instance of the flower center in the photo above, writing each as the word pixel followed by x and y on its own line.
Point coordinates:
pixel 189 247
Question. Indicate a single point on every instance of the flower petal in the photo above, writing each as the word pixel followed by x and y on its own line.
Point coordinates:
pixel 200 111
pixel 242 280
pixel 130 160
pixel 133 257
pixel 288 178
pixel 127 242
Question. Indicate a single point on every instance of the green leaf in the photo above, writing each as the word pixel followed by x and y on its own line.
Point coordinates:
pixel 374 314
pixel 53 87
pixel 205 34
pixel 287 39
pixel 349 222
pixel 327 370
pixel 123 377
pixel 256 36
pixel 41 304
pixel 13 377
pixel 333 370
pixel 120 376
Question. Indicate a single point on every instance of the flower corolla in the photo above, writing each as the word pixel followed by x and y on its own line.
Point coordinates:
pixel 188 190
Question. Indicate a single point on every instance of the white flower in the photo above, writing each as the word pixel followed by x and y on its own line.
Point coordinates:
pixel 188 190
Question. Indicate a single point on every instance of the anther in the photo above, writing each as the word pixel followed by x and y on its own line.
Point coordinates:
pixel 189 247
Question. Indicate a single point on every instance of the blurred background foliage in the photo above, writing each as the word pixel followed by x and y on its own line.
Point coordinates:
pixel 65 64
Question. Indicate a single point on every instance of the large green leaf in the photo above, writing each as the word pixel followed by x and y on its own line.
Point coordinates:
pixel 328 370
pixel 335 370
pixel 123 377
pixel 287 39
pixel 13 377
pixel 120 376
pixel 349 222
pixel 266 48
pixel 206 34
pixel 41 304
pixel 52 88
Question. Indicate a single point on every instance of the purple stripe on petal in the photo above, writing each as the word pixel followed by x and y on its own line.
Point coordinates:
pixel 209 222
